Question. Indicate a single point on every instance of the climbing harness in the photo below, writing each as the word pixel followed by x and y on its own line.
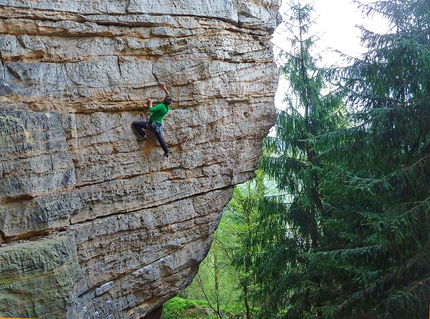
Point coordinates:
pixel 156 126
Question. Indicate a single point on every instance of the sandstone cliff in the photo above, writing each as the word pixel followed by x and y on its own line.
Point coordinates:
pixel 93 223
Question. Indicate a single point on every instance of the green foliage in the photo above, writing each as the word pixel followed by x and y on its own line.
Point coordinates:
pixel 377 191
pixel 228 290
pixel 217 281
pixel 178 307
pixel 244 214
pixel 178 304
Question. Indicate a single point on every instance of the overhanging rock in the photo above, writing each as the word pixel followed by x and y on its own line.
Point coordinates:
pixel 94 224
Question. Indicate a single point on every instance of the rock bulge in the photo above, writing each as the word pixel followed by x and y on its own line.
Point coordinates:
pixel 94 224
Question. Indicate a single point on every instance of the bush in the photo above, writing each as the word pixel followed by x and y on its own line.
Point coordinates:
pixel 180 308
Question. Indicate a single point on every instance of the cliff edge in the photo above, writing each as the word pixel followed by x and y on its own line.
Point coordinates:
pixel 93 223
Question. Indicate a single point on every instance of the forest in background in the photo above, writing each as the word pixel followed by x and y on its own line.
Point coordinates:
pixel 336 223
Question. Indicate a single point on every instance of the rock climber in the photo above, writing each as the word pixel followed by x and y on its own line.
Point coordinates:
pixel 158 112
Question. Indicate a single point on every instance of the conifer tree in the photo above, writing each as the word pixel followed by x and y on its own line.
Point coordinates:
pixel 288 229
pixel 378 189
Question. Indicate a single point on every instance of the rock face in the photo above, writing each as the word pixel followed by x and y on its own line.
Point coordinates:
pixel 93 223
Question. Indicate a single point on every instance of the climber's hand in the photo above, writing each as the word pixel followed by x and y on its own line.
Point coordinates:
pixel 163 86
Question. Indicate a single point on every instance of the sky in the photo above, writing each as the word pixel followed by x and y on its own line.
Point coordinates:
pixel 335 24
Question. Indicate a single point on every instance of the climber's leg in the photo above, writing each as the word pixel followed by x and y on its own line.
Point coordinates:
pixel 138 126
pixel 163 145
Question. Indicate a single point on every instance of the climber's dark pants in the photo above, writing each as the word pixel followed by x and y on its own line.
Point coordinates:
pixel 140 125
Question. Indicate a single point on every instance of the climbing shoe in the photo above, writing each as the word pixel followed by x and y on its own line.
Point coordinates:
pixel 142 138
pixel 166 155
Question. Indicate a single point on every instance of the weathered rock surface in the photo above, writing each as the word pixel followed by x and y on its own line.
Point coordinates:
pixel 94 224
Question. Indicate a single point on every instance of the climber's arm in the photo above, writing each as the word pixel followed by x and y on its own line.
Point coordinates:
pixel 163 86
pixel 148 112
pixel 153 109
pixel 149 103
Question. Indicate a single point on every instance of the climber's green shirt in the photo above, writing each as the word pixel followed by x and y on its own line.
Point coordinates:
pixel 158 112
